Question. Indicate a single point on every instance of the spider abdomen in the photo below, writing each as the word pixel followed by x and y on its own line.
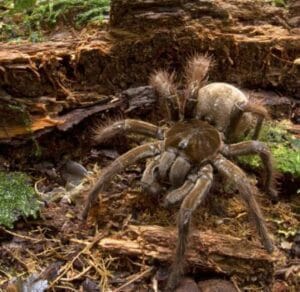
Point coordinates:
pixel 195 140
pixel 216 101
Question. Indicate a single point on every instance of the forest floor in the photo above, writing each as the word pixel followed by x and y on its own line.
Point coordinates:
pixel 66 252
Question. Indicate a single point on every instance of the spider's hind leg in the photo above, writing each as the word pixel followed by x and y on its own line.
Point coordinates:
pixel 260 148
pixel 194 198
pixel 237 114
pixel 235 174
pixel 104 133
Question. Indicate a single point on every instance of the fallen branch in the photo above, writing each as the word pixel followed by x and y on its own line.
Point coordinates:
pixel 208 251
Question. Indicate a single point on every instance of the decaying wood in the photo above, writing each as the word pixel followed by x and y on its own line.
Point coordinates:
pixel 294 13
pixel 208 251
pixel 251 42
pixel 20 123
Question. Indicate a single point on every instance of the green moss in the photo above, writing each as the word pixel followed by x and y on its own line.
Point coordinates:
pixel 284 146
pixel 17 198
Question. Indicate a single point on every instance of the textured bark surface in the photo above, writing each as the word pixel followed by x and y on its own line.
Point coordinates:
pixel 208 251
pixel 294 13
pixel 251 41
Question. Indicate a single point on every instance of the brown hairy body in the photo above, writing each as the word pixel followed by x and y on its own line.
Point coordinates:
pixel 202 125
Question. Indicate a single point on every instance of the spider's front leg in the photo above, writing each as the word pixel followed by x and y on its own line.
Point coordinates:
pixel 235 174
pixel 260 148
pixel 130 157
pixel 104 133
pixel 189 204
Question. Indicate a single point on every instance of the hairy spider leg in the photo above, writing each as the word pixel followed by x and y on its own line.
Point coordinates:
pixel 130 157
pixel 235 174
pixel 164 85
pixel 128 126
pixel 261 149
pixel 261 112
pixel 237 114
pixel 189 204
pixel 178 194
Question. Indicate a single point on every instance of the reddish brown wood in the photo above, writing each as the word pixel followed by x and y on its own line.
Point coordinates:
pixel 208 251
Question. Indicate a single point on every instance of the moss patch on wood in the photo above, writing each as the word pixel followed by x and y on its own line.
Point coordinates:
pixel 17 198
pixel 284 146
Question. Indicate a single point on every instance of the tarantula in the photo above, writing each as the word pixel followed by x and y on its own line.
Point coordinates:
pixel 189 148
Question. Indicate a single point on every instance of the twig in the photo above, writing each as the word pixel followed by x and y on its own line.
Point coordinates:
pixel 16 258
pixel 68 265
pixel 137 277
pixel 77 276
pixel 22 236
pixel 102 271
pixel 65 288
pixel 40 194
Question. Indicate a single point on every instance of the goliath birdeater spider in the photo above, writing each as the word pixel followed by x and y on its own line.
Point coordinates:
pixel 201 126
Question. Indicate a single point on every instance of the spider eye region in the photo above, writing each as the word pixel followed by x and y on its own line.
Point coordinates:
pixel 196 140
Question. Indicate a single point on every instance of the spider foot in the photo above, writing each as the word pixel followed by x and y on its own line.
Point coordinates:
pixel 153 189
pixel 273 195
pixel 173 281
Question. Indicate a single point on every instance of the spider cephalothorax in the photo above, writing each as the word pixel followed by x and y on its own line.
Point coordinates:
pixel 184 157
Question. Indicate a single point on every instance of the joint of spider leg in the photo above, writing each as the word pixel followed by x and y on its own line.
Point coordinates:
pixel 161 133
pixel 241 105
pixel 205 172
pixel 155 150
pixel 193 176
pixel 225 150
pixel 185 215
pixel 261 147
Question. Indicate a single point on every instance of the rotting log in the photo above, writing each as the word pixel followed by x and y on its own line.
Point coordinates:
pixel 23 125
pixel 294 13
pixel 207 252
pixel 252 43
